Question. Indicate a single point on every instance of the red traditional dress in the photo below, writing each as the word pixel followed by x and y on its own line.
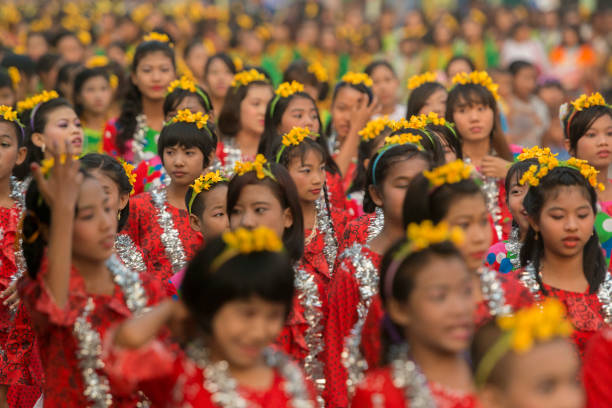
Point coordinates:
pixel 9 220
pixel 379 390
pixel 362 229
pixel 597 370
pixel 163 234
pixel 588 312
pixel 143 145
pixel 352 330
pixel 69 338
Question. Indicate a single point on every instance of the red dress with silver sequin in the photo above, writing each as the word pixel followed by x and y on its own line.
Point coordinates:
pixel 597 370
pixel 515 294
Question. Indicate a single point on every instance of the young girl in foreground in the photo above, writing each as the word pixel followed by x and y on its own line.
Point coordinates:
pixel 431 310
pixel 237 291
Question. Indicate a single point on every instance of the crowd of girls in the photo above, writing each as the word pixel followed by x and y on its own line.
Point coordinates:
pixel 226 243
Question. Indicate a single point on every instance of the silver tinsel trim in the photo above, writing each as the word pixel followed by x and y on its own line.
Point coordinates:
pixel 308 294
pixel 406 375
pixel 367 278
pixel 325 225
pixel 129 281
pixel 170 237
pixel 232 153
pixel 128 253
pixel 491 192
pixel 18 190
pixel 139 139
pixel 376 224
pixel 222 387
pixel 493 292
pixel 513 248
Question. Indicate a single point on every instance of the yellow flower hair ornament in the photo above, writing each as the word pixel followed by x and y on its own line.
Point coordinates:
pixel 547 163
pixel 540 322
pixel 260 166
pixel 129 172
pixel 420 122
pixel 243 78
pixel 204 183
pixel 319 71
pixel 97 61
pixel 33 101
pixel 15 76
pixel 9 114
pixel 199 119
pixel 567 111
pixel 294 138
pixel 243 241
pixel 449 173
pixel 481 78
pixel 417 80
pixel 188 84
pixel 159 37
pixel 374 128
pixel 285 90
pixel 534 153
pixel 357 78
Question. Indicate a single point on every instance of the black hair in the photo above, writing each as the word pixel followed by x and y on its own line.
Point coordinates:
pixel 264 274
pixel 448 136
pixel 197 206
pixel 80 79
pixel 516 171
pixel 475 94
pixel 174 99
pixel 593 262
pixel 516 66
pixel 298 71
pixel 47 62
pixel 419 95
pixel 379 63
pixel 463 58
pixel 23 63
pixel 191 45
pixel 226 59
pixel 65 75
pixel 132 104
pixel 381 164
pixel 365 151
pixel 421 203
pixel 63 34
pixel 188 135
pixel 429 142
pixel 5 80
pixel 229 117
pixel 284 190
pixel 577 123
pixel 19 131
pixel 115 171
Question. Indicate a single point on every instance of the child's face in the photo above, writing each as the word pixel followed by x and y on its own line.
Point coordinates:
pixel 566 222
pixel 457 67
pixel 10 153
pixel 546 376
pixel 153 75
pixel 62 126
pixel 242 329
pixel 435 103
pixel 96 95
pixel 183 164
pixel 95 224
pixel 516 194
pixel 189 102
pixel 213 221
pixel 474 122
pixel 219 78
pixel 385 85
pixel 300 112
pixel 343 108
pixel 308 175
pixel 596 144
pixel 471 215
pixel 524 83
pixel 115 199
pixel 253 109
pixel 7 96
pixel 257 206
pixel 71 49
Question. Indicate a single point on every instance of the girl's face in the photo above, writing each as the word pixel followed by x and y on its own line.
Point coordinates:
pixel 62 125
pixel 213 221
pixel 95 224
pixel 385 85
pixel 566 222
pixel 71 49
pixel 435 103
pixel 189 102
pixel 258 206
pixel 219 78
pixel 154 73
pixel 196 59
pixel 516 194
pixel 524 82
pixel 343 108
pixel 243 328
pixel 10 153
pixel 300 112
pixel 96 95
pixel 457 67
pixel 183 164
pixel 474 122
pixel 7 96
pixel 548 375
pixel 440 311
pixel 116 199
pixel 595 145
pixel 308 175
pixel 253 109
pixel 470 214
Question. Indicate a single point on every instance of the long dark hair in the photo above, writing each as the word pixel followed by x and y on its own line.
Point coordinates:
pixel 298 71
pixel 229 117
pixel 80 79
pixel 419 95
pixel 532 251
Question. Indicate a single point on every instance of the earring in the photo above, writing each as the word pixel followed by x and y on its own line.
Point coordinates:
pixel 536 236
pixel 43 148
pixel 119 216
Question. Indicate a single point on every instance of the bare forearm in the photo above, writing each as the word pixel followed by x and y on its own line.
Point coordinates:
pixel 138 330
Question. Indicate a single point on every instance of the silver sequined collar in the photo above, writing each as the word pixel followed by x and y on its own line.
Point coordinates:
pixel 18 191
pixel 493 292
pixel 129 254
pixel 513 248
pixel 407 376
pixel 377 222
pixel 324 224
pixel 170 238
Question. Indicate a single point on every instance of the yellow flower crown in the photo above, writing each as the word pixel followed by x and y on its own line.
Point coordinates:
pixel 204 183
pixel 404 138
pixel 534 153
pixel 417 80
pixel 547 163
pixel 198 118
pixel 421 121
pixel 113 81
pixel 585 102
pixel 481 78
pixel 294 137
pixel 259 166
pixel 374 128
pixel 160 37
pixel 243 78
pixel 357 78
pixel 183 82
pixel 449 173
pixel 31 102
pixel 7 113
pixel 97 61
pixel 47 164
pixel 319 71
pixel 399 124
pixel 540 322
pixel 129 172
pixel 286 89
pixel 238 64
pixel 243 241
pixel 15 76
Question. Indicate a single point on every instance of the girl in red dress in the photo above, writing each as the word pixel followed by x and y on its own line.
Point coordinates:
pixel 597 369
pixel 472 107
pixel 526 360
pixel 561 256
pixel 430 324
pixel 236 294
pixel 449 193
pixel 352 330
pixel 242 118
pixel 159 221
pixel 76 287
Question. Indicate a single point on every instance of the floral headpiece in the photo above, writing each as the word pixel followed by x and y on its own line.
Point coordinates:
pixel 539 323
pixel 481 78
pixel 47 164
pixel 569 110
pixel 399 124
pixel 357 78
pixel 243 78
pixel 97 61
pixel 160 37
pixel 294 137
pixel 404 138
pixel 188 84
pixel 374 128
pixel 238 64
pixel 199 119
pixel 129 172
pixel 259 166
pixel 449 173
pixel 243 241
pixel 417 80
pixel 204 183
pixel 33 101
pixel 419 237
pixel 420 122
pixel 13 73
pixel 7 113
pixel 547 163
pixel 319 71
pixel 534 153
pixel 285 90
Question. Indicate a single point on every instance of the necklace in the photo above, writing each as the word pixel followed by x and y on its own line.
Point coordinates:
pixel 139 141
pixel 513 248
pixel 18 190
pixel 232 155
pixel 493 292
pixel 324 223
pixel 170 237
pixel 407 376
pixel 377 223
